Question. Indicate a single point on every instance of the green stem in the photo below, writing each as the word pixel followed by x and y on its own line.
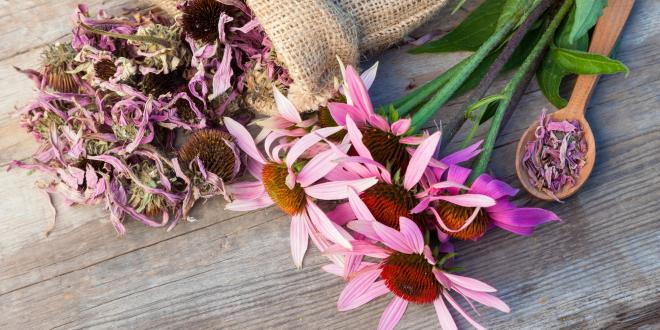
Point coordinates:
pixel 428 110
pixel 407 103
pixel 544 41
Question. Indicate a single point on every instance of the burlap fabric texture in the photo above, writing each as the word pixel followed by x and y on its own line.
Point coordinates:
pixel 308 35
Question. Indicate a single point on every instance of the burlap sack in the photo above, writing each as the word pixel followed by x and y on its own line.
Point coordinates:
pixel 308 35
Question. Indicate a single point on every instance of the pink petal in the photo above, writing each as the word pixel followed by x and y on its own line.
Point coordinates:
pixel 222 76
pixel 392 314
pixel 357 287
pixel 339 112
pixel 460 310
pixel 392 238
pixel 318 167
pixel 360 209
pixel 356 139
pixel 524 216
pixel 246 190
pixel 365 228
pixel 378 122
pixel 444 317
pixel 470 283
pixel 524 231
pixel 457 174
pixel 325 226
pixel 467 200
pixel 401 126
pixel 420 160
pixel 463 155
pixel 376 290
pixel 334 269
pixel 485 299
pixel 428 255
pixel 341 214
pixel 421 206
pixel 299 238
pixel 411 232
pixel 308 141
pixel 369 75
pixel 285 107
pixel 243 139
pixel 358 91
pixel 442 278
pixel 359 247
pixel 335 190
pixel 249 205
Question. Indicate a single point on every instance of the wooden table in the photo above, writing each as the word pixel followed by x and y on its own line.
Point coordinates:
pixel 598 268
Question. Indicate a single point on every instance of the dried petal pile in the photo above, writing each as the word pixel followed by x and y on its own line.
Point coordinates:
pixel 114 105
pixel 555 158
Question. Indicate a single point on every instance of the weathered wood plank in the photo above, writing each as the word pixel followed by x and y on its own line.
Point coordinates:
pixel 229 270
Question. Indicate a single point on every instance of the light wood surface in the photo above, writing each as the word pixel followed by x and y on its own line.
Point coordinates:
pixel 605 36
pixel 598 268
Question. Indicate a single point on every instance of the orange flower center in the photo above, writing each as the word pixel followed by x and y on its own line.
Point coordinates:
pixel 410 277
pixel 455 216
pixel 291 201
pixel 386 149
pixel 389 202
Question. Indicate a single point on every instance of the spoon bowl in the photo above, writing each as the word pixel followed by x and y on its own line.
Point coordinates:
pixel 607 31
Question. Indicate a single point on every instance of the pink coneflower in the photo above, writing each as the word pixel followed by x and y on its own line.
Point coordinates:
pixel 468 218
pixel 409 270
pixel 386 143
pixel 392 197
pixel 292 185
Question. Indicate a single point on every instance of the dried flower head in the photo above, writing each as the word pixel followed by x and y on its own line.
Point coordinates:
pixel 156 84
pixel 157 56
pixel 259 87
pixel 105 69
pixel 201 17
pixel 55 61
pixel 213 149
pixel 142 201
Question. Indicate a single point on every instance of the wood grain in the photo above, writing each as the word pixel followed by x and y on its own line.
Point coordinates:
pixel 596 269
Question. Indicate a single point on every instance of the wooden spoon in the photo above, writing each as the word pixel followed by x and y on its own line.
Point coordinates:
pixel 607 31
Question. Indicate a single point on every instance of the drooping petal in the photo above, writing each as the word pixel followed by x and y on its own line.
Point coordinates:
pixel 463 154
pixel 524 216
pixel 420 160
pixel 457 174
pixel 341 214
pixel 359 208
pixel 411 232
pixel 467 200
pixel 339 112
pixel 392 314
pixel 299 238
pixel 444 317
pixel 285 107
pixel 460 310
pixel 359 247
pixel 484 299
pixel 376 290
pixel 365 228
pixel 470 283
pixel 243 139
pixel 524 231
pixel 249 205
pixel 335 190
pixel 318 167
pixel 392 238
pixel 357 287
pixel 324 225
pixel 308 141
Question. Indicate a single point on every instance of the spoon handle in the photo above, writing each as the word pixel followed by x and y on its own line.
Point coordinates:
pixel 607 31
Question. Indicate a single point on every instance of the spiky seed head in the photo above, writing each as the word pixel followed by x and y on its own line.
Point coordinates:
pixel 212 148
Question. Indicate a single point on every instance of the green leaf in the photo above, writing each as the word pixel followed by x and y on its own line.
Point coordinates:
pixel 458 6
pixel 488 113
pixel 470 34
pixel 483 102
pixel 586 15
pixel 549 77
pixel 563 36
pixel 513 10
pixel 579 62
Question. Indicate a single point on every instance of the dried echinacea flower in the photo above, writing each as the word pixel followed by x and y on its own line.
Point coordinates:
pixel 156 84
pixel 259 85
pixel 55 61
pixel 105 69
pixel 143 201
pixel 214 149
pixel 555 158
pixel 158 57
pixel 201 17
